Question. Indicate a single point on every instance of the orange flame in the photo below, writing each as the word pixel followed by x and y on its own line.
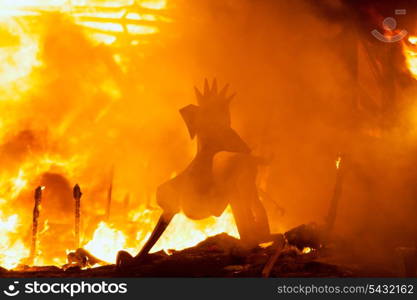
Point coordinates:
pixel 338 162
pixel 23 66
pixel 410 53
pixel 12 248
pixel 307 250
pixel 19 57
pixel 180 234
pixel 103 24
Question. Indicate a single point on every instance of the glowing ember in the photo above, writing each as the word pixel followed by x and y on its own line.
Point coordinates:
pixel 307 250
pixel 266 245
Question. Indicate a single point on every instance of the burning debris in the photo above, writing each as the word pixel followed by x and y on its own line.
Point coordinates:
pixel 81 258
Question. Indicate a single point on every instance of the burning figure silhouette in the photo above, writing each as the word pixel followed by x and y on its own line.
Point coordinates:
pixel 222 172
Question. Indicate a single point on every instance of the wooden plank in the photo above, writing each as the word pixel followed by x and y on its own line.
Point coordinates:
pixel 122 21
pixel 279 244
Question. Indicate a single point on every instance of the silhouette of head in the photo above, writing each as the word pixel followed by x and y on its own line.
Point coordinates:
pixel 210 121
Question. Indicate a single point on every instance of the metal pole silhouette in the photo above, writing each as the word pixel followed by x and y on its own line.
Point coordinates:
pixel 35 221
pixel 77 197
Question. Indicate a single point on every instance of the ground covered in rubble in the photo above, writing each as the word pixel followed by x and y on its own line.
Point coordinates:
pixel 220 256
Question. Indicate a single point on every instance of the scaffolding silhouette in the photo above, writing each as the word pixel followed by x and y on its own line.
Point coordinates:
pixel 126 23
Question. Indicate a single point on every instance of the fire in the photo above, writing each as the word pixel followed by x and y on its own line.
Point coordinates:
pixel 183 232
pixel 12 249
pixel 60 110
pixel 153 4
pixel 307 250
pixel 106 242
pixel 338 162
pixel 266 245
pixel 18 58
pixel 180 234
pixel 410 53
pixel 18 183
pixel 103 25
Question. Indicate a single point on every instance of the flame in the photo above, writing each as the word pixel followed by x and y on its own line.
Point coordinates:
pixel 12 249
pixel 153 4
pixel 307 250
pixel 41 133
pixel 106 23
pixel 338 162
pixel 410 53
pixel 181 233
pixel 18 56
pixel 18 183
pixel 106 242
pixel 266 245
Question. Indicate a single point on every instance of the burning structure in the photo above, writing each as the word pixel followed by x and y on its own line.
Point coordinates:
pixel 94 154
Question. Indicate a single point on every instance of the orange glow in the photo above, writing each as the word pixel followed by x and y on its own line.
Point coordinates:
pixel 338 162
pixel 180 234
pixel 88 14
pixel 410 53
pixel 53 135
pixel 12 248
pixel 266 245
pixel 20 59
pixel 106 242
pixel 183 232
pixel 307 250
pixel 153 4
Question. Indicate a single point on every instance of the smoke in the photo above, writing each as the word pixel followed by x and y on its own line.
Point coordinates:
pixel 294 67
pixel 292 92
